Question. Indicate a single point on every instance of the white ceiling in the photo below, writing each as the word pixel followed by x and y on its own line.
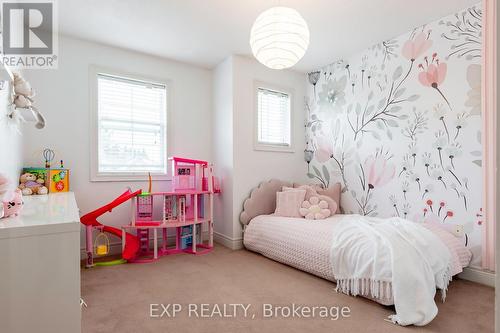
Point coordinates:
pixel 204 32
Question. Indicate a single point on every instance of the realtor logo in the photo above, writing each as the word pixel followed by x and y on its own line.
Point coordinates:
pixel 29 34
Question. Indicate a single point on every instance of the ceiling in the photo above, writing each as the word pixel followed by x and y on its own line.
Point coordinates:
pixel 204 32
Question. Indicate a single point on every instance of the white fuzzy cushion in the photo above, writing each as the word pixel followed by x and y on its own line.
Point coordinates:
pixel 315 209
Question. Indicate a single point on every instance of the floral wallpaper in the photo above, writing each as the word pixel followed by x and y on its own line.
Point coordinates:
pixel 398 124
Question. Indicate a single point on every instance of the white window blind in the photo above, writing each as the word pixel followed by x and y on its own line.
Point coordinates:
pixel 131 126
pixel 273 117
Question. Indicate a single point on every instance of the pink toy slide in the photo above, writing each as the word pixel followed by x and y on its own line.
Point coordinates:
pixel 131 241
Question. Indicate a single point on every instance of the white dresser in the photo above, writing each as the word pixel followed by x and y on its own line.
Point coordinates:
pixel 40 267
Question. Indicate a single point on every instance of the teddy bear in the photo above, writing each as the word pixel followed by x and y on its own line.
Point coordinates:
pixel 29 184
pixel 23 98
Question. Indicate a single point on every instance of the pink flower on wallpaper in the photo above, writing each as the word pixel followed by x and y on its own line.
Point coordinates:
pixel 379 171
pixel 414 48
pixel 325 149
pixel 433 74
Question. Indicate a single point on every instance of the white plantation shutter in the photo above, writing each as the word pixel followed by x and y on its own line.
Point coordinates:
pixel 131 127
pixel 273 117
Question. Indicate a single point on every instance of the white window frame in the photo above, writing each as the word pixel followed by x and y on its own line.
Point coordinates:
pixel 95 175
pixel 261 146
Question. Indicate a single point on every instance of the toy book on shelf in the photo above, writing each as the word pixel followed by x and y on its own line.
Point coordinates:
pixel 45 180
pixel 55 180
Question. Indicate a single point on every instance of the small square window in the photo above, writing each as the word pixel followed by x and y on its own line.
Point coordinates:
pixel 274 120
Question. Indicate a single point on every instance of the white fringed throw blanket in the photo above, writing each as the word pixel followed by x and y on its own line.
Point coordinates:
pixel 369 252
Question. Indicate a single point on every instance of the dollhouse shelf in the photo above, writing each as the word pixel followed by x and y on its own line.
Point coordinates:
pixel 145 223
pixel 185 210
pixel 161 224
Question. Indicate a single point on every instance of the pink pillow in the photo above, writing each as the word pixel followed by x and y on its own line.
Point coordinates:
pixel 310 191
pixel 314 186
pixel 334 193
pixel 332 205
pixel 315 209
pixel 288 203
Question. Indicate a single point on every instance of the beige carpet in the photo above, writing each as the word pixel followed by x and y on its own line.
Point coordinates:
pixel 119 298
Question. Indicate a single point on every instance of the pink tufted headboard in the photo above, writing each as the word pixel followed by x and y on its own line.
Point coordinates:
pixel 262 200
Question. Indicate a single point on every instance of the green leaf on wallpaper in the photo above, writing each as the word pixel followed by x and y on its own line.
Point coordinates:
pixel 326 174
pixel 381 103
pixel 375 135
pixel 369 110
pixel 349 108
pixel 395 109
pixel 392 123
pixel 478 136
pixel 413 98
pixel 478 162
pixel 316 171
pixel 399 92
pixel 310 175
pixel 389 134
pixel 353 193
pixel 397 73
pixel 476 153
pixel 380 124
pixel 404 117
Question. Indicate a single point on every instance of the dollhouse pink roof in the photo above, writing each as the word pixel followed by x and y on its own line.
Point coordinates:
pixel 187 160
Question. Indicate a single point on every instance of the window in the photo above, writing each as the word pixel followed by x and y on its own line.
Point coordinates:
pixel 273 120
pixel 130 126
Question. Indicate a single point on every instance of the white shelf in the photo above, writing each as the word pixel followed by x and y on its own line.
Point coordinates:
pixel 42 214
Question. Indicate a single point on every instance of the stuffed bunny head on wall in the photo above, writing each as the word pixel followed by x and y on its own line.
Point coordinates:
pixel 23 102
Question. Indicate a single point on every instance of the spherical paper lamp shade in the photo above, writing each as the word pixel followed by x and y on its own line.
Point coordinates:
pixel 279 37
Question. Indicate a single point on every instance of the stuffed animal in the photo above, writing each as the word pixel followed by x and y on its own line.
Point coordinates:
pixel 12 204
pixel 4 186
pixel 23 98
pixel 315 209
pixel 29 184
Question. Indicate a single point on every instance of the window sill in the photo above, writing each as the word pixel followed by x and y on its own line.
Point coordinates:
pixel 273 148
pixel 128 178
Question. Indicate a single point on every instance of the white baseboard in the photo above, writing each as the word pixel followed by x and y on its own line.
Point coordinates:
pixel 479 276
pixel 229 242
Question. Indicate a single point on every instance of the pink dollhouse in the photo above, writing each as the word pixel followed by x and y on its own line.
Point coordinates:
pixel 185 211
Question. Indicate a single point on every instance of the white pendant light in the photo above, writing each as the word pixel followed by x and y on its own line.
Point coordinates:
pixel 279 37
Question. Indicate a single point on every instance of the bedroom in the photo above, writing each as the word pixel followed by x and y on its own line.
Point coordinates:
pixel 168 166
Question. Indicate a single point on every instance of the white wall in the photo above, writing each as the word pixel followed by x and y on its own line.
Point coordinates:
pixel 10 135
pixel 253 166
pixel 222 123
pixel 63 97
pixel 497 285
pixel 234 139
pixel 224 135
